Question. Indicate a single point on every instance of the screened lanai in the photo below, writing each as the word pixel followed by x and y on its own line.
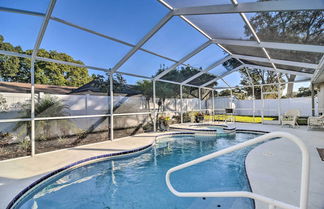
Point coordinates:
pixel 151 59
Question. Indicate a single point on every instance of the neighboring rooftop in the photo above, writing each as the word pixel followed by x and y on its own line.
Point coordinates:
pixel 92 87
pixel 15 87
pixel 96 87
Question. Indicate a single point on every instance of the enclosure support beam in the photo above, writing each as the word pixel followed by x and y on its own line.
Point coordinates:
pixel 210 67
pixel 15 54
pixel 253 96
pixel 279 70
pixel 276 61
pixel 181 104
pixel 279 100
pixel 320 69
pixel 313 99
pixel 177 83
pixel 26 12
pixel 185 58
pixel 108 37
pixel 154 107
pixel 32 70
pixel 156 28
pixel 111 85
pixel 247 22
pixel 192 24
pixel 267 6
pixel 272 45
pixel 299 81
pixel 32 108
pixel 210 82
pixel 253 103
pixel 223 75
pixel 213 105
pixel 199 95
pixel 262 108
pixel 227 84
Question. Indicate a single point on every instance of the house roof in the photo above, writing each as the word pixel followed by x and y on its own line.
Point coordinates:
pixel 94 87
pixel 89 88
pixel 15 87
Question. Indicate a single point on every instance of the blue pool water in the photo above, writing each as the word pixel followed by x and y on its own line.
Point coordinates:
pixel 139 181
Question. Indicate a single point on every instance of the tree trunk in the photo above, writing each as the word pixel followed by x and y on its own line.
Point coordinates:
pixel 290 86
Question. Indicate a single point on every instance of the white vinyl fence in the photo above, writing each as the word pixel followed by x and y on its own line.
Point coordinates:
pixel 94 104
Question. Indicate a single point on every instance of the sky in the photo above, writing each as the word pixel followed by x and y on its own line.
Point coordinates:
pixel 128 23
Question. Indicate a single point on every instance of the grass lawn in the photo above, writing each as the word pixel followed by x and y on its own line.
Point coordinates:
pixel 238 118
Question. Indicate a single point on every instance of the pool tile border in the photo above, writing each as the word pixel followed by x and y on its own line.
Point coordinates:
pixel 51 174
pixel 123 153
pixel 116 154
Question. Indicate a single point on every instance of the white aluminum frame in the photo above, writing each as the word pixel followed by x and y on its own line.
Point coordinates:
pixel 210 67
pixel 272 45
pixel 260 6
pixel 185 58
pixel 276 61
pixel 267 84
pixel 156 28
pixel 279 70
pixel 19 11
pixel 266 6
pixel 32 70
pixel 271 202
pixel 318 71
pixel 181 104
pixel 213 9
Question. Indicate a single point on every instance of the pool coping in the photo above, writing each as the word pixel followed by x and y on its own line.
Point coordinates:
pixel 89 160
pixel 103 157
pixel 70 166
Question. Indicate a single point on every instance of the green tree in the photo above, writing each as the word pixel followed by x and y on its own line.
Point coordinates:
pixel 102 82
pixel 146 87
pixel 304 92
pixel 44 107
pixel 225 92
pixel 258 77
pixel 184 73
pixel 12 68
pixel 17 69
pixel 303 27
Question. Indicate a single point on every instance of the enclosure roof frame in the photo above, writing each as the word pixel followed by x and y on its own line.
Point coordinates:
pixel 235 7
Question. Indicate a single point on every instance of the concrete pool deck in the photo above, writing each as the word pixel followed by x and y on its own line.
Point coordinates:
pixel 273 167
pixel 17 174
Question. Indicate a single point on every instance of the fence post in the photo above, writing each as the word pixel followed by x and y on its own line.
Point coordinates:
pixel 40 96
pixel 199 95
pixel 262 107
pixel 253 103
pixel 279 101
pixel 86 103
pixel 111 107
pixel 213 105
pixel 32 108
pixel 181 105
pixel 313 100
pixel 154 107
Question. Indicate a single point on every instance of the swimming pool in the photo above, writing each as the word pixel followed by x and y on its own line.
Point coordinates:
pixel 139 181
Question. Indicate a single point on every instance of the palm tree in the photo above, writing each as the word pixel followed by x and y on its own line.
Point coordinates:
pixel 45 107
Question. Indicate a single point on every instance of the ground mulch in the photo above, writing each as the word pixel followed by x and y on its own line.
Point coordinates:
pixel 8 151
